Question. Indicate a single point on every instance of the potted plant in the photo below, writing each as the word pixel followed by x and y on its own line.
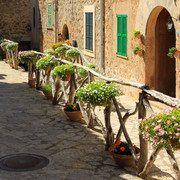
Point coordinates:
pixel 136 34
pixel 98 93
pixel 72 53
pixel 46 63
pixel 29 57
pixel 64 71
pixel 173 52
pixel 10 62
pixel 56 45
pixel 26 56
pixel 73 111
pixel 50 52
pixel 11 46
pixel 83 73
pixel 122 154
pixel 138 50
pixel 62 50
pixel 162 129
pixel 47 90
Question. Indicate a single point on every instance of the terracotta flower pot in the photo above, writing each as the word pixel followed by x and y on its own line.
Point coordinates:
pixel 74 115
pixel 177 54
pixel 123 160
pixel 140 53
pixel 48 95
pixel 68 77
pixel 139 36
pixel 11 65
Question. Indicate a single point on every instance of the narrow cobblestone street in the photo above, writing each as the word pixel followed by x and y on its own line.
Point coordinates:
pixel 31 124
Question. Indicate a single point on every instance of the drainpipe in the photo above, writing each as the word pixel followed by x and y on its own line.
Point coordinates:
pixel 101 37
pixel 55 19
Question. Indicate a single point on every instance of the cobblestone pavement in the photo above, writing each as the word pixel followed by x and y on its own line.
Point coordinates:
pixel 30 124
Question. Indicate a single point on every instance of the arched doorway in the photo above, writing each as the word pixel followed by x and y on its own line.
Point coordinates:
pixel 65 33
pixel 160 69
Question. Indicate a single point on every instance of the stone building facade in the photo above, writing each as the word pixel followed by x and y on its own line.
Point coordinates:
pixel 15 21
pixel 47 18
pixel 154 69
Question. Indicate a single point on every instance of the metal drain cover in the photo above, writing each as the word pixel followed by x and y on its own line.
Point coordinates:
pixel 23 162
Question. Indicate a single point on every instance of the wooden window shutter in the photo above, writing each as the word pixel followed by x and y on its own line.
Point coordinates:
pixel 50 15
pixel 89 31
pixel 122 35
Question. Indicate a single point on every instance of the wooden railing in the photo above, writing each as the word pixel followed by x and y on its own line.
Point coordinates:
pixel 143 107
pixel 11 54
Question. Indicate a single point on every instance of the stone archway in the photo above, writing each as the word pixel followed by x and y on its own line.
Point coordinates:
pixel 65 33
pixel 159 68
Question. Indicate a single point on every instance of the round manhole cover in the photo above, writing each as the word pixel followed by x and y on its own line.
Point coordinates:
pixel 23 162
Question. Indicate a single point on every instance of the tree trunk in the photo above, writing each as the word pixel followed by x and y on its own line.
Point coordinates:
pixel 109 131
pixel 143 144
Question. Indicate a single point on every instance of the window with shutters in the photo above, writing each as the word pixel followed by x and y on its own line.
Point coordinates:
pixel 49 15
pixel 89 30
pixel 122 35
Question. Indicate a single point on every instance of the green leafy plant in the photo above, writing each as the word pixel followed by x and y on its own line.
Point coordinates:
pixel 26 56
pixel 62 49
pixel 56 45
pixel 11 46
pixel 50 52
pixel 60 71
pixel 97 93
pixel 47 88
pixel 137 48
pixel 162 128
pixel 172 52
pixel 10 61
pixel 121 147
pixel 72 107
pixel 47 62
pixel 135 33
pixel 72 53
pixel 83 73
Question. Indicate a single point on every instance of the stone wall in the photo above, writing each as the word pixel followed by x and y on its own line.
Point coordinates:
pixel 15 16
pixel 47 37
pixel 70 13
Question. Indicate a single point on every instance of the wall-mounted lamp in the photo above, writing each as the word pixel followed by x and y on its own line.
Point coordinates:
pixel 169 23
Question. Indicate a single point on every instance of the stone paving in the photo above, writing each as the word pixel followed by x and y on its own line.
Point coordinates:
pixel 31 124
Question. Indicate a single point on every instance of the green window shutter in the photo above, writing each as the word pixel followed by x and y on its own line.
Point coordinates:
pixel 122 35
pixel 49 15
pixel 89 31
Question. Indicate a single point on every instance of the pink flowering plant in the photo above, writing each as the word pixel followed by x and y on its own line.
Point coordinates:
pixel 162 129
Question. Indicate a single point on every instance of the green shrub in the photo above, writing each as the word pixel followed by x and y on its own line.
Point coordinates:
pixel 97 93
pixel 60 71
pixel 62 49
pixel 135 33
pixel 56 45
pixel 47 88
pixel 137 48
pixel 72 53
pixel 11 46
pixel 83 73
pixel 26 56
pixel 50 52
pixel 172 52
pixel 45 63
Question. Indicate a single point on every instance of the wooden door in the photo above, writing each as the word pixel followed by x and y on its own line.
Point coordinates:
pixel 164 66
